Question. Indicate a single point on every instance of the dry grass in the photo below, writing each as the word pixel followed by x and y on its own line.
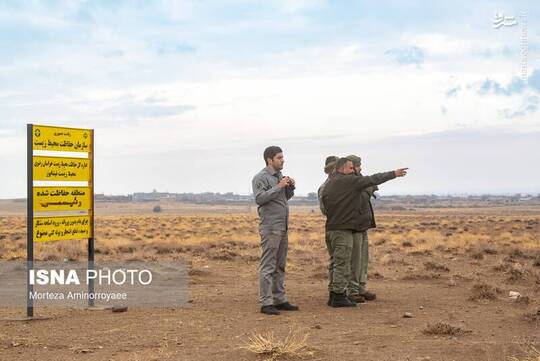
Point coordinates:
pixel 532 355
pixel 484 291
pixel 444 329
pixel 433 266
pixel 294 345
pixel 484 237
pixel 533 317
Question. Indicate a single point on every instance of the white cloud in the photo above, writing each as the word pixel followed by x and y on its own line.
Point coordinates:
pixel 242 82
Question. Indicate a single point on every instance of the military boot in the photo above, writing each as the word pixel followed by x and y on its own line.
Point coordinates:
pixel 330 298
pixel 341 300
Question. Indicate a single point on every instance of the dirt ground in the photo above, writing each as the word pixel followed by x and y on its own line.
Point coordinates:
pixel 451 269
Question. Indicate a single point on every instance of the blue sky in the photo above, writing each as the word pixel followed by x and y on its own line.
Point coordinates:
pixel 180 89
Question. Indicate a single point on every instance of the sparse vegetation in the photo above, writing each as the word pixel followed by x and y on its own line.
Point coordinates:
pixel 435 259
pixel 444 329
pixel 484 291
pixel 532 355
pixel 295 344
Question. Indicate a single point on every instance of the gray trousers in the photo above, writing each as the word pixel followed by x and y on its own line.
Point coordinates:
pixel 274 244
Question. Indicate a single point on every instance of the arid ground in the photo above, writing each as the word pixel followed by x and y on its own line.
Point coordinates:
pixel 450 269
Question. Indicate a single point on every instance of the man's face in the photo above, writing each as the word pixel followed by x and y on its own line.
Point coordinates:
pixel 277 162
pixel 358 169
pixel 348 168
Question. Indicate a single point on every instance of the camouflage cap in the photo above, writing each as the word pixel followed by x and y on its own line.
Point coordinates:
pixel 330 163
pixel 356 160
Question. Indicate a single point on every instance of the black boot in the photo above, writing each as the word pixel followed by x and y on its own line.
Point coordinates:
pixel 341 300
pixel 286 306
pixel 269 310
pixel 330 298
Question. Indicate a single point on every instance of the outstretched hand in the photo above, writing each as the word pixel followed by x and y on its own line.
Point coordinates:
pixel 401 172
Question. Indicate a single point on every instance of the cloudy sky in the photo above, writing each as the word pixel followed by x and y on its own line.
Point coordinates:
pixel 185 95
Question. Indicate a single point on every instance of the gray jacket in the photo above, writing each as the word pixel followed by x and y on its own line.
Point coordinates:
pixel 272 201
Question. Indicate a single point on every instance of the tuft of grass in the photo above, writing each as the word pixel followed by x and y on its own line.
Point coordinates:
pixel 433 266
pixel 444 329
pixel 532 355
pixel 295 344
pixel 483 291
pixel 533 317
pixel 517 272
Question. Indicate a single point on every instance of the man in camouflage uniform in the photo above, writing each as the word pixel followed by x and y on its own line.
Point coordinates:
pixel 340 198
pixel 329 167
pixel 360 254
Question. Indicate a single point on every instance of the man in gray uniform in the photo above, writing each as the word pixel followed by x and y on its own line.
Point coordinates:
pixel 272 191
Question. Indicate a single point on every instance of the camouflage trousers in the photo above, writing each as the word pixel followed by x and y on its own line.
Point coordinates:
pixel 359 263
pixel 339 245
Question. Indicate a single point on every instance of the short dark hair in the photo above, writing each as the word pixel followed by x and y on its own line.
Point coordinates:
pixel 341 162
pixel 271 152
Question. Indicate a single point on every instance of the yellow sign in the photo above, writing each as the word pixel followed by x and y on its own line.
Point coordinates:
pixel 61 228
pixel 61 169
pixel 61 139
pixel 61 198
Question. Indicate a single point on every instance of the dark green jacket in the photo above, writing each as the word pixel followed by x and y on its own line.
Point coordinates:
pixel 340 197
pixel 367 217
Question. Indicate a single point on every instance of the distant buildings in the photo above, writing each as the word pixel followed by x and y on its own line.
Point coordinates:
pixel 396 202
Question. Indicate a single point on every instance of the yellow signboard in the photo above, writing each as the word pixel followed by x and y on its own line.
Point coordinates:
pixel 61 198
pixel 61 169
pixel 61 228
pixel 61 139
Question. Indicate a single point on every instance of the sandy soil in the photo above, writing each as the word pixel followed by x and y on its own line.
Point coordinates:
pixel 466 288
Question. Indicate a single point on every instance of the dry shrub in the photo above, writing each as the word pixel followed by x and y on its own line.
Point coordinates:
pixel 516 273
pixel 167 247
pixel 522 300
pixel 407 244
pixel 60 250
pixel 421 276
pixel 223 254
pixel 421 252
pixel 295 344
pixel 432 266
pixel 477 255
pixel 483 291
pixel 516 253
pixel 489 250
pixel 533 317
pixel 502 267
pixel 444 329
pixel 532 355
pixel 197 271
pixel 391 259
